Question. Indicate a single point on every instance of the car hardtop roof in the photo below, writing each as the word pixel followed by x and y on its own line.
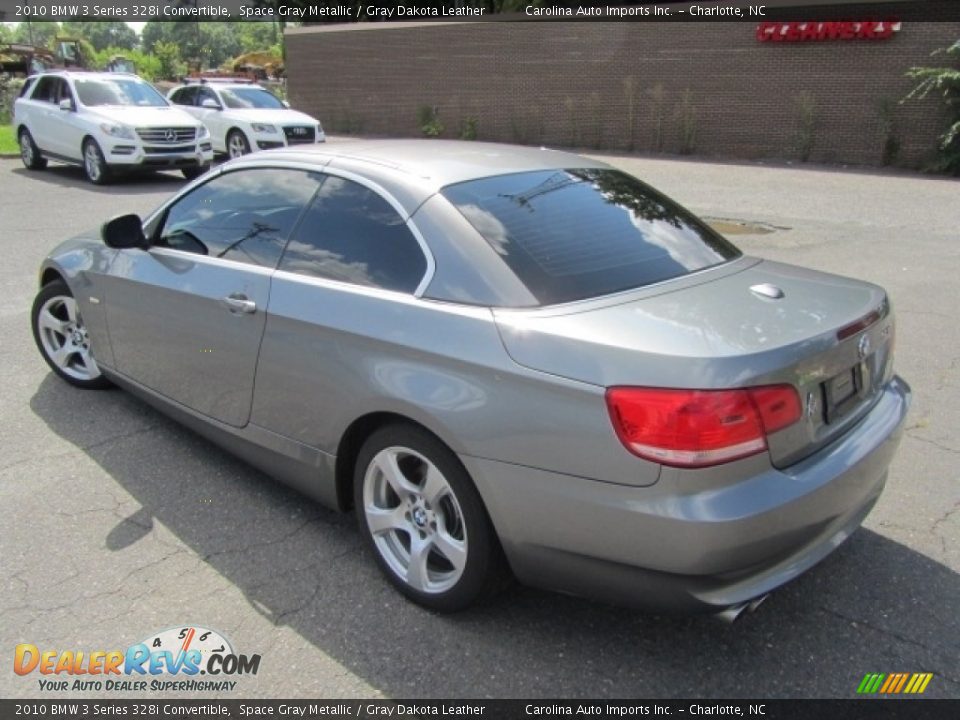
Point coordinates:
pixel 96 74
pixel 438 163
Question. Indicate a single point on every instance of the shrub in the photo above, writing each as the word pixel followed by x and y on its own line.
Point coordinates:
pixel 943 81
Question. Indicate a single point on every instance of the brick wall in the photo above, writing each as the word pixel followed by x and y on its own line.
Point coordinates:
pixel 709 88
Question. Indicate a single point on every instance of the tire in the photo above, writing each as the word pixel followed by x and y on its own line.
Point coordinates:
pixel 30 153
pixel 62 338
pixel 237 144
pixel 412 492
pixel 190 173
pixel 94 165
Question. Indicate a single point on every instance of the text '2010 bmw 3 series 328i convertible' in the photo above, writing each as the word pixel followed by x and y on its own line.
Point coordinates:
pixel 505 360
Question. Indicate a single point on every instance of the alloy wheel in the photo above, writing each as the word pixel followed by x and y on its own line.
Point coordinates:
pixel 92 162
pixel 237 147
pixel 64 338
pixel 26 149
pixel 415 520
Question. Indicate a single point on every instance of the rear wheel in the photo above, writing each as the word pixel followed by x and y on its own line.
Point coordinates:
pixel 94 165
pixel 62 337
pixel 237 144
pixel 30 153
pixel 424 520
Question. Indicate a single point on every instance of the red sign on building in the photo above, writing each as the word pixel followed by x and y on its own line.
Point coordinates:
pixel 813 31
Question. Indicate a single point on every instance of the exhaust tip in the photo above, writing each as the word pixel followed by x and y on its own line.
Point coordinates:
pixel 729 615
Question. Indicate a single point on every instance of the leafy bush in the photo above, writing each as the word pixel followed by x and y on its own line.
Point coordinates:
pixel 468 128
pixel 428 118
pixel 943 81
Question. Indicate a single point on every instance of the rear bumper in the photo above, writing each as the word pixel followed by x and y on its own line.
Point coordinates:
pixel 685 544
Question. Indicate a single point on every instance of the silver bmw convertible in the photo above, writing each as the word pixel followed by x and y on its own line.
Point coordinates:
pixel 507 361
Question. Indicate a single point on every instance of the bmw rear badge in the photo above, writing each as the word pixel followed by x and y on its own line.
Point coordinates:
pixel 811 404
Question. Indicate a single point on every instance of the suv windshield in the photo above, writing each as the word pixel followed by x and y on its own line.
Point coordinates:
pixel 582 233
pixel 118 91
pixel 249 97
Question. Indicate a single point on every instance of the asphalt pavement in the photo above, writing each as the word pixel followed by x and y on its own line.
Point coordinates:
pixel 117 523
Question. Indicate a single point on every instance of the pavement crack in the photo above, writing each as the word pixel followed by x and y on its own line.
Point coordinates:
pixel 945 448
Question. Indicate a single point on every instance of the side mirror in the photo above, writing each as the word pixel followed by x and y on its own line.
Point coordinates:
pixel 66 104
pixel 210 104
pixel 286 104
pixel 124 231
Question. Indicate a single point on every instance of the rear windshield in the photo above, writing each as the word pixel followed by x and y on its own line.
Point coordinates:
pixel 583 233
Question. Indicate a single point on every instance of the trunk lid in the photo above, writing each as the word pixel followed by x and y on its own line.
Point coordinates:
pixel 828 336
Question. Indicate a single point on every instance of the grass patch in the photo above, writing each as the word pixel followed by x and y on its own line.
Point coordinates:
pixel 8 142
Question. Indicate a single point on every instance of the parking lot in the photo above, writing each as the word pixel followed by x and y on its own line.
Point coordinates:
pixel 118 523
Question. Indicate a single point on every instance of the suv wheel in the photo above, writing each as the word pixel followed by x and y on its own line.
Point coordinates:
pixel 94 165
pixel 30 153
pixel 237 144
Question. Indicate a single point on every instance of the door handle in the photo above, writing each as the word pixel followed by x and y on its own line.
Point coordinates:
pixel 240 303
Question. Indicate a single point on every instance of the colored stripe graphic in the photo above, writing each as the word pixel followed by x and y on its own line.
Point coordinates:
pixel 894 683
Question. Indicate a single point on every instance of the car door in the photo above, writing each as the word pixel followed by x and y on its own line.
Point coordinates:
pixel 70 130
pixel 40 113
pixel 338 302
pixel 186 316
pixel 212 117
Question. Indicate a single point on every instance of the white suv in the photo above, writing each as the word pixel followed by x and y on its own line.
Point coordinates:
pixel 106 122
pixel 243 117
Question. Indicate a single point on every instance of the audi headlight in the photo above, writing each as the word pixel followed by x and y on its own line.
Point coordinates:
pixel 259 128
pixel 119 131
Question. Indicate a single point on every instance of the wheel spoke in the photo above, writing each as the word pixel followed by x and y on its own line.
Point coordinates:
pixel 434 485
pixel 381 520
pixel 49 321
pixel 87 361
pixel 61 356
pixel 452 549
pixel 417 576
pixel 388 465
pixel 70 305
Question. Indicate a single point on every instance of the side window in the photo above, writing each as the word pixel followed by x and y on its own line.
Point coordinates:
pixel 243 216
pixel 207 94
pixel 66 94
pixel 47 89
pixel 184 96
pixel 350 233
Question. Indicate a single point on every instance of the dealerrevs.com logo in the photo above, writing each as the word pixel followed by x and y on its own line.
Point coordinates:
pixel 171 660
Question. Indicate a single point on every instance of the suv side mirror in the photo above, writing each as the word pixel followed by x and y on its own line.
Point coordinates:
pixel 123 232
pixel 210 103
pixel 66 104
pixel 286 104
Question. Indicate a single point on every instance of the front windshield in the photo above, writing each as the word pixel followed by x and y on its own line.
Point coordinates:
pixel 119 91
pixel 242 98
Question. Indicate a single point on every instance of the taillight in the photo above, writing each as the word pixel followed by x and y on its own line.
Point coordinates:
pixel 697 428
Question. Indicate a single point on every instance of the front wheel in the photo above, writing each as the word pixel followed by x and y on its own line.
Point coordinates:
pixel 237 144
pixel 421 515
pixel 62 337
pixel 94 165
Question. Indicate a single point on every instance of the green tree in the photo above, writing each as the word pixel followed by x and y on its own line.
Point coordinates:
pixel 36 33
pixel 945 82
pixel 170 62
pixel 117 35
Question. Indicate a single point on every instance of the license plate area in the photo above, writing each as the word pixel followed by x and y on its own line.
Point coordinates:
pixel 843 391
